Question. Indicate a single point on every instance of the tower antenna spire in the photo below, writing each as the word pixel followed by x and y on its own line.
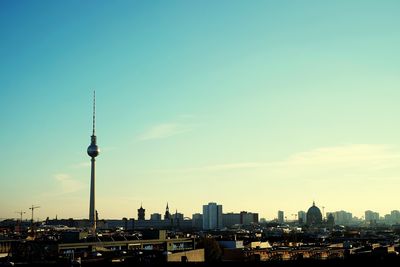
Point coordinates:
pixel 94 112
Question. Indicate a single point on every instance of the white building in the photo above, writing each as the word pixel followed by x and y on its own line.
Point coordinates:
pixel 212 216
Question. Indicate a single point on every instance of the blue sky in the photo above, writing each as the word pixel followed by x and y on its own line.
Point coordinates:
pixel 259 106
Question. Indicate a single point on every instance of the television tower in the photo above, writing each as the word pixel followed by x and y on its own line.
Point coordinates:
pixel 93 151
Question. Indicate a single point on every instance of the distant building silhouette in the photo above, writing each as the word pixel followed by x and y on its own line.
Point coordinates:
pixel 155 217
pixel 141 213
pixel 302 216
pixel 247 218
pixel 197 221
pixel 167 215
pixel 330 220
pixel 342 217
pixel 314 216
pixel 371 216
pixel 281 216
pixel 212 216
pixel 230 219
pixel 178 218
pixel 393 217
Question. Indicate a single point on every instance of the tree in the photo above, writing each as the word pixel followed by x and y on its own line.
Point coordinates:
pixel 212 250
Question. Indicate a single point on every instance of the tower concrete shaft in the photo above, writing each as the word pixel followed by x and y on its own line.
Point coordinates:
pixel 92 209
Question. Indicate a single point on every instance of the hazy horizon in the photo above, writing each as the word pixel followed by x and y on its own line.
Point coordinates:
pixel 259 106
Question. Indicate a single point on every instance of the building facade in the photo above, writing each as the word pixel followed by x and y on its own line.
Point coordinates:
pixel 212 216
pixel 302 217
pixel 342 217
pixel 155 217
pixel 371 216
pixel 248 218
pixel 281 216
pixel 141 213
pixel 314 216
pixel 197 221
pixel 230 219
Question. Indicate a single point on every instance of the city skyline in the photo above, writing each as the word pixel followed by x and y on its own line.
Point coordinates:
pixel 286 216
pixel 261 107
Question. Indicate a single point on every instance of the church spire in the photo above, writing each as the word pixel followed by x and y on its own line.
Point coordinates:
pixel 167 215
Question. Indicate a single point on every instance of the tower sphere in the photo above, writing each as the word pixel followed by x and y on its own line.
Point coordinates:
pixel 93 150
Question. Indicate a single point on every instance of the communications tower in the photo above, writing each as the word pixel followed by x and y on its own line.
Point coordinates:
pixel 93 151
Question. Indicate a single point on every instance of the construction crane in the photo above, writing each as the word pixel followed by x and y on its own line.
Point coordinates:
pixel 20 214
pixel 20 220
pixel 32 226
pixel 33 208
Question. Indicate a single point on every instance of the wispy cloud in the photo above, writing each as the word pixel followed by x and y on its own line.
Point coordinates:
pixel 346 159
pixel 67 183
pixel 165 130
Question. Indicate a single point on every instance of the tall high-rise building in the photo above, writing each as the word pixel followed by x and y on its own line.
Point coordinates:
pixel 212 216
pixel 141 213
pixel 371 216
pixel 93 151
pixel 342 217
pixel 281 216
pixel 395 216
